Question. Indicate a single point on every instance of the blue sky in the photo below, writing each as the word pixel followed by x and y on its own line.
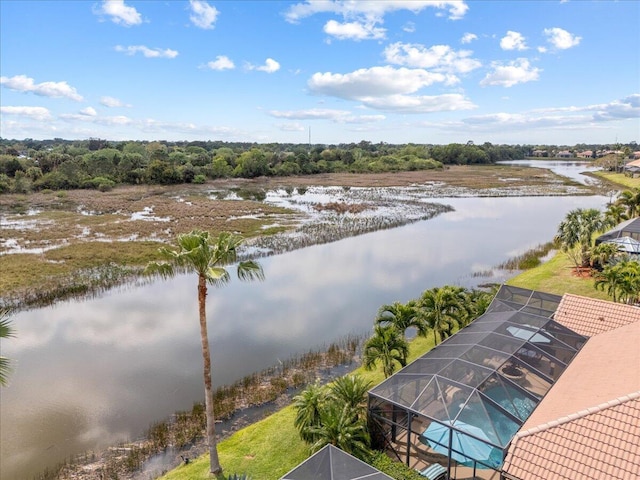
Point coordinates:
pixel 528 72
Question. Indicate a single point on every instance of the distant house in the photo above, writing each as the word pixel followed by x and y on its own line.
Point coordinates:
pixel 564 154
pixel 586 154
pixel 636 155
pixel 540 153
pixel 633 167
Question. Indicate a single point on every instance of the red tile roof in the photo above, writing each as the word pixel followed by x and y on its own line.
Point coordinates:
pixel 588 424
pixel 589 317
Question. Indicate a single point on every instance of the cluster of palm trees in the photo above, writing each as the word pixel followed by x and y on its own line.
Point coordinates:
pixel 615 272
pixel 335 414
pixel 440 310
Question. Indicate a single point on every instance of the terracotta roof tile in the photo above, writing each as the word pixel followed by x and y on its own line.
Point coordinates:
pixel 589 316
pixel 588 424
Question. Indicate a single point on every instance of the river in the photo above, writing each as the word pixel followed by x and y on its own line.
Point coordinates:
pixel 91 373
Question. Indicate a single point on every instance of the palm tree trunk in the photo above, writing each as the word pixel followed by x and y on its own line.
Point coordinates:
pixel 208 387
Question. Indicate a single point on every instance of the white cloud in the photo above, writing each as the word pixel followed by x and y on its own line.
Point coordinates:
pixel 337 116
pixel 87 118
pixel 147 52
pixel 419 103
pixel 437 57
pixel 354 31
pixel 222 62
pixel 561 39
pixel 468 38
pixel 203 15
pixel 372 10
pixel 112 102
pixel 270 66
pixel 36 113
pixel 22 83
pixel 513 41
pixel 89 111
pixel 120 13
pixel 375 81
pixel 517 71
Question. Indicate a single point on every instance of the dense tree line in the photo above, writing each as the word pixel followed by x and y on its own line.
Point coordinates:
pixel 31 165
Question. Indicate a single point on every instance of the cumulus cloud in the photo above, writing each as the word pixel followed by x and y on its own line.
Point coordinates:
pixel 337 116
pixel 468 38
pixel 513 41
pixel 437 57
pixel 561 39
pixel 22 83
pixel 112 102
pixel 354 30
pixel 147 52
pixel 222 62
pixel 36 113
pixel 270 66
pixel 372 10
pixel 203 15
pixel 120 13
pixel 375 81
pixel 517 71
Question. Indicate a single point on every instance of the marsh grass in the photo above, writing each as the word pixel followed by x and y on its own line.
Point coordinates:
pixel 184 429
pixel 530 259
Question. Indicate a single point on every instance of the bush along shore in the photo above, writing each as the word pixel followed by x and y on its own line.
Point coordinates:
pixel 170 442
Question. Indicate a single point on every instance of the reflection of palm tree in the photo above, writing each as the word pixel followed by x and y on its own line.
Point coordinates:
pixel 443 308
pixel 386 346
pixel 5 332
pixel 402 317
pixel 207 257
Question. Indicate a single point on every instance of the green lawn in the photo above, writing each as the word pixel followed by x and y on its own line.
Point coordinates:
pixel 620 178
pixel 557 276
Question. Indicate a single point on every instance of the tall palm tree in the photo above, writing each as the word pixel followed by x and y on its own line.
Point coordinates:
pixel 443 309
pixel 308 405
pixel 199 253
pixel 401 316
pixel 5 332
pixel 386 346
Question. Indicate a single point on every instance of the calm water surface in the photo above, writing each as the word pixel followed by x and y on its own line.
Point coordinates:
pixel 91 373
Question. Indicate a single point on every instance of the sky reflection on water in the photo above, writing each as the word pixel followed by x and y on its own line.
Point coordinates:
pixel 91 373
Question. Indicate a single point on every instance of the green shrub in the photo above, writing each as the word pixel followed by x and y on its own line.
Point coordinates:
pixel 200 179
pixel 393 468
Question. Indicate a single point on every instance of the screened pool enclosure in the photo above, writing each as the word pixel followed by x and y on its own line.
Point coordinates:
pixel 461 403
